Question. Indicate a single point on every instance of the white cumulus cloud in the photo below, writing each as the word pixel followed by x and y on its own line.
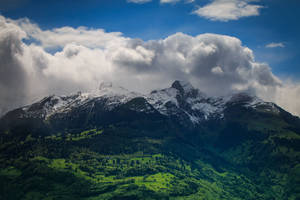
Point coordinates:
pixel 169 1
pixel 225 10
pixel 275 45
pixel 138 1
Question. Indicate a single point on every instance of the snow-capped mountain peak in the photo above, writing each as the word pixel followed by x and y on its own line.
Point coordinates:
pixel 181 101
pixel 182 86
pixel 108 89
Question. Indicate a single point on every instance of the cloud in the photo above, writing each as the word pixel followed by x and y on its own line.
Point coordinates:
pixel 60 37
pixel 216 64
pixel 138 1
pixel 275 45
pixel 169 1
pixel 288 97
pixel 217 70
pixel 12 73
pixel 225 10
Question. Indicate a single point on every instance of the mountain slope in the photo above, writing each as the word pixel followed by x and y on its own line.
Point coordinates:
pixel 174 143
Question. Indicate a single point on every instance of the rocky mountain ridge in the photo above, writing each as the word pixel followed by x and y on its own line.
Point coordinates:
pixel 181 100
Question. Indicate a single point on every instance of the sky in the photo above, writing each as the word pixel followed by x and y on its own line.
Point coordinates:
pixel 220 46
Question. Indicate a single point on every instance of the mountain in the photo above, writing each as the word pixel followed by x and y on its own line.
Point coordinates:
pixel 174 143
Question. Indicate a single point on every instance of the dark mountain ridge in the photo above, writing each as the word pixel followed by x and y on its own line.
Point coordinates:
pixel 174 143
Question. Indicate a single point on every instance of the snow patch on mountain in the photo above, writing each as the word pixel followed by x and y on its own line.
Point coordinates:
pixel 183 86
pixel 181 100
pixel 161 98
pixel 206 108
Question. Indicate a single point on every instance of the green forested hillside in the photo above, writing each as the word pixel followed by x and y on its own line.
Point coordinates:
pixel 249 154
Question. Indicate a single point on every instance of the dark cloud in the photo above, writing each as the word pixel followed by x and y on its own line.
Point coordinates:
pixel 12 75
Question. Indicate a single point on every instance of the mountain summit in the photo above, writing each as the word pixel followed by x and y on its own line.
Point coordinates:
pixel 173 143
pixel 182 86
pixel 181 102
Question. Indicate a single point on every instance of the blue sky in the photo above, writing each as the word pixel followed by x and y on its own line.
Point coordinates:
pixel 277 22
